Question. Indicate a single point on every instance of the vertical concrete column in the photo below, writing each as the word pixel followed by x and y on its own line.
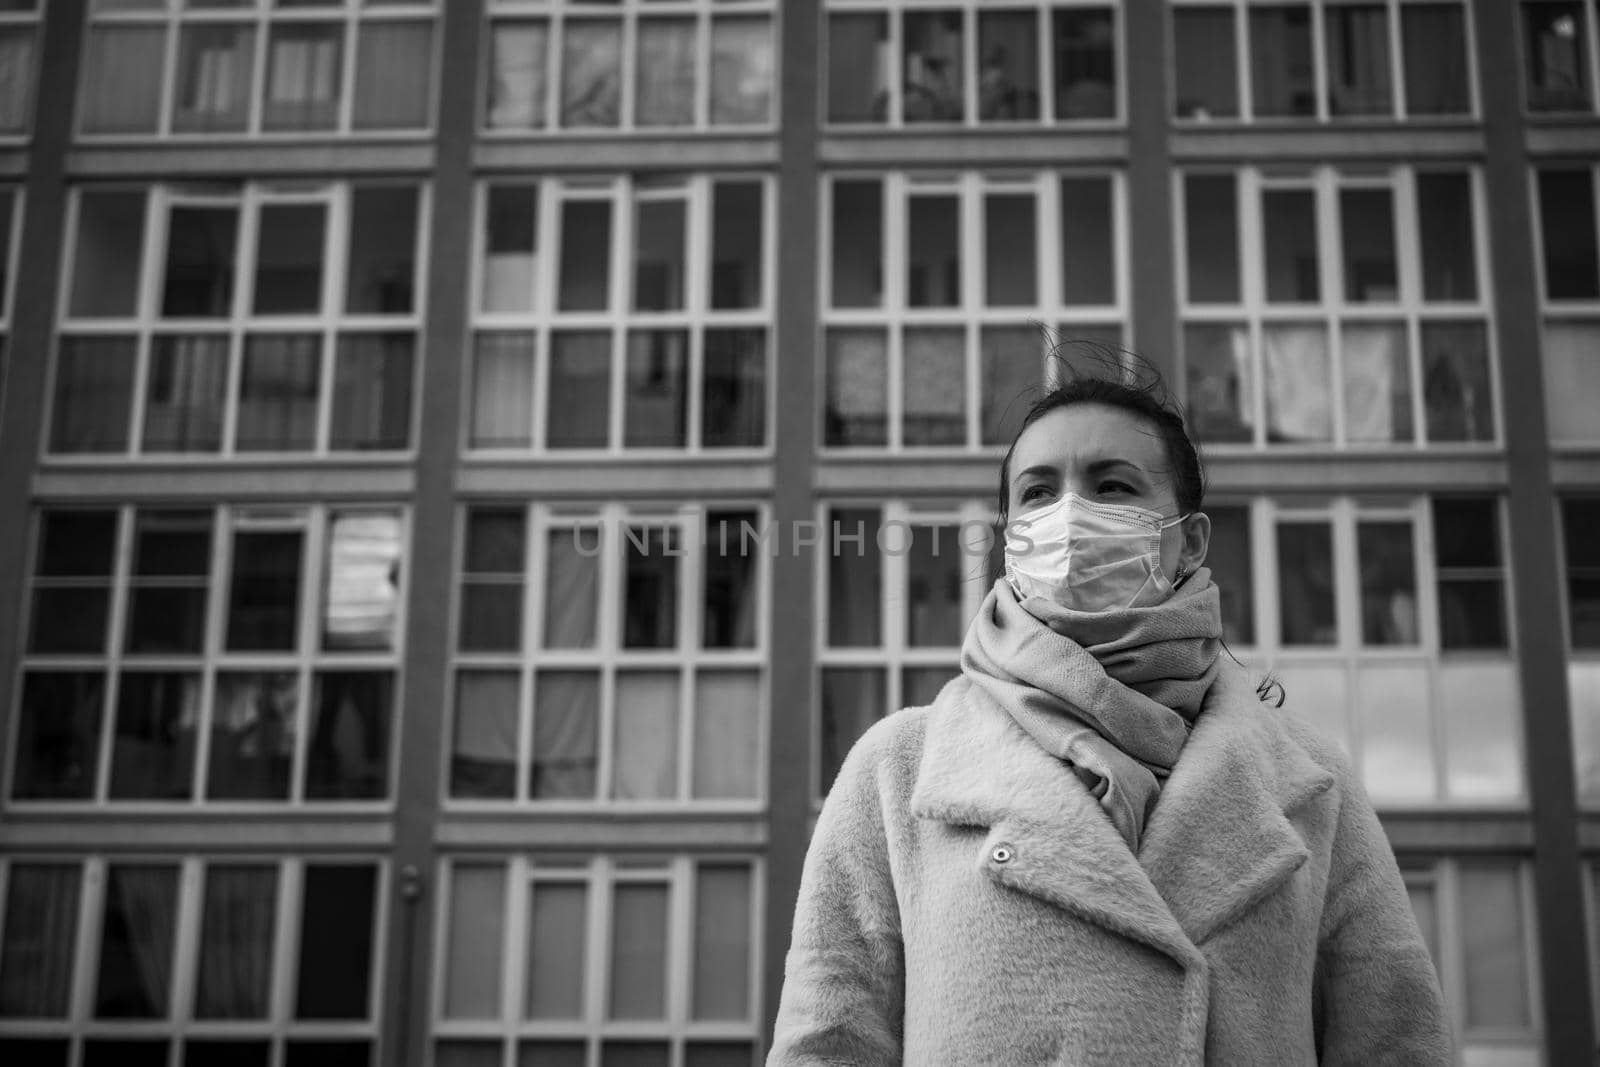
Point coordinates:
pixel 1540 640
pixel 1153 300
pixel 791 678
pixel 407 981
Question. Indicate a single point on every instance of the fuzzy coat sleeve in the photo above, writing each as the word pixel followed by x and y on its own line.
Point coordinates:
pixel 843 990
pixel 1377 994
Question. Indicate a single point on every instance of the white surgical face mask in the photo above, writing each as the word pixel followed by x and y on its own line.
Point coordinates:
pixel 1089 556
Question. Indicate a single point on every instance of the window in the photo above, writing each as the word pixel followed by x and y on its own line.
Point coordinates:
pixel 10 238
pixel 911 64
pixel 900 583
pixel 1570 257
pixel 161 67
pixel 684 264
pixel 1386 620
pixel 1336 310
pixel 234 321
pixel 236 961
pixel 943 294
pixel 1477 917
pixel 1321 60
pixel 630 65
pixel 653 960
pixel 1558 54
pixel 1580 518
pixel 19 33
pixel 611 655
pixel 187 656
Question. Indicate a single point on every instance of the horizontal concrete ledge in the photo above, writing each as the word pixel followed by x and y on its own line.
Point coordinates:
pixel 233 480
pixel 160 833
pixel 668 478
pixel 1578 137
pixel 252 158
pixel 1319 144
pixel 1443 831
pixel 611 153
pixel 1577 471
pixel 991 149
pixel 580 833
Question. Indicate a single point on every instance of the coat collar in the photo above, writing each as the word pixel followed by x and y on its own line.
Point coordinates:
pixel 1218 841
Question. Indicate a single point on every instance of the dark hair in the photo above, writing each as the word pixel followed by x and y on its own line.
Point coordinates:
pixel 1136 387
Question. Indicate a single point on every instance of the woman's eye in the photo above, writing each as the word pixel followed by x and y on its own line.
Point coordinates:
pixel 1115 487
pixel 1033 492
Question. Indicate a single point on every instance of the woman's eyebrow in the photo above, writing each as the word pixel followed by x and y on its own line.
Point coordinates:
pixel 1100 466
pixel 1042 469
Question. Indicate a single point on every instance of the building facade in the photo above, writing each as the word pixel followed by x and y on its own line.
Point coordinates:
pixel 470 470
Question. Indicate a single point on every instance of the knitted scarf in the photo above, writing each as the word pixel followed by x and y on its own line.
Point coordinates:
pixel 1112 693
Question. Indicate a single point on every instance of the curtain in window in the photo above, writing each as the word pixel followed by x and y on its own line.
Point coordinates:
pixel 278 393
pixel 483 757
pixel 645 737
pixel 185 394
pixel 1358 60
pixel 664 89
pixel 36 946
pixel 572 587
pixel 253 730
pixel 363 590
pixel 348 756
pixel 852 700
pixel 517 72
pixel 122 80
pixel 566 717
pixel 638 952
pixel 591 72
pixel 579 405
pixel 558 926
pixel 136 942
pixel 476 944
pixel 1297 383
pixel 742 71
pixel 236 943
pixel 733 410
pixel 934 386
pixel 303 77
pixel 722 914
pixel 372 392
pixel 656 391
pixel 502 390
pixel 1012 369
pixel 1435 53
pixel 16 79
pixel 1456 385
pixel 1377 384
pixel 394 67
pixel 214 72
pixel 857 387
pixel 727 718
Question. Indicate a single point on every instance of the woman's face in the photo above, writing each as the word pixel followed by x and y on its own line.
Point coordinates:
pixel 1110 455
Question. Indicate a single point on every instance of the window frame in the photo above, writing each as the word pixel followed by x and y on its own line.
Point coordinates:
pixel 31 19
pixel 1581 312
pixel 1589 36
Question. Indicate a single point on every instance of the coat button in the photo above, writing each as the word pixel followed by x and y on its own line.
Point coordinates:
pixel 1002 853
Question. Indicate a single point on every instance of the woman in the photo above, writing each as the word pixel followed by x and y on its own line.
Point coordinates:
pixel 1098 845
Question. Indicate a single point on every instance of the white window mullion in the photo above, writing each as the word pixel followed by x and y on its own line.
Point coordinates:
pixel 627 89
pixel 122 567
pixel 691 572
pixel 698 208
pixel 519 923
pixel 1241 30
pixel 702 70
pixel 896 72
pixel 286 947
pixel 1321 88
pixel 1399 106
pixel 682 888
pixel 601 896
pixel 171 39
pixel 1408 233
pixel 347 73
pixel 533 597
pixel 896 272
pixel 88 934
pixel 625 204
pixel 305 646
pixel 1046 61
pixel 190 907
pixel 973 259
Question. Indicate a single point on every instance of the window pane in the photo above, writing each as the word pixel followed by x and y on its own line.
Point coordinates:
pixel 1434 40
pixel 348 757
pixel 727 741
pixel 1008 66
pixel 1457 389
pixel 152 756
pixel 483 753
pixel 93 394
pixel 263 601
pixel 1211 238
pixel 1088 260
pixel 935 377
pixel 491 594
pixel 336 942
pixel 511 248
pixel 236 942
pixel 502 390
pixel 381 278
pixel 253 729
pixel 933 272
pixel 1305 584
pixel 36 943
pixel 645 736
pixel 278 393
pixel 933 67
pixel 634 1054
pixel 919 686
pixel 1553 36
pixel 1572 380
pixel 1377 383
pixel 122 79
pixel 854 574
pixel 585 255
pixel 1086 64
pixel 718 1054
pixel 1494 945
pixel 552 1054
pixel 591 72
pixel 1289 226
pixel 1397 751
pixel 1466 532
pixel 1444 224
pixel 1280 61
pixel 213 84
pixel 736 238
pixel 372 392
pixel 580 390
pixel 858 387
pixel 722 913
pixel 1206 62
pixel 1583 684
pixel 650 596
pixel 638 987
pixel 1388 583
pixel 1367 228
pixel 1012 361
pixel 742 71
pixel 557 926
pixel 664 86
pixel 303 76
pixel 394 63
pixel 1580 517
pixel 934 573
pixel 16 78
pixel 733 408
pixel 201 242
pixel 518 66
pixel 117 1053
pixel 857 244
pixel 1483 730
pixel 185 394
pixel 289 255
pixel 105 259
pixel 853 699
pixel 58 737
pixel 655 403
pixel 1298 371
pixel 858 67
pixel 1358 60
pixel 566 718
pixel 328 1054
pixel 226 1053
pixel 1319 695
pixel 572 587
pixel 1010 270
pixel 1231 561
pixel 1567 235
pixel 477 934
pixel 136 937
pixel 658 274
pixel 71 600
pixel 730 601
pixel 361 601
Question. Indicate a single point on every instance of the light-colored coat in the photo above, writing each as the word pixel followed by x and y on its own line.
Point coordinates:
pixel 965 901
